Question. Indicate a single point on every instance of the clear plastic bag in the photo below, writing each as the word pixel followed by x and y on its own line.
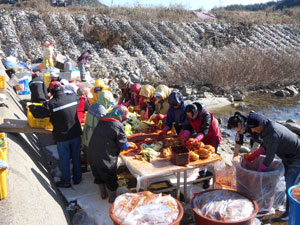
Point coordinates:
pixel 266 188
pixel 223 205
pixel 145 208
pixel 225 175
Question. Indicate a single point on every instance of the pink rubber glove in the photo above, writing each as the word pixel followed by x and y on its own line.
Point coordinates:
pixel 127 103
pixel 184 134
pixel 198 138
pixel 262 168
pixel 252 156
pixel 163 132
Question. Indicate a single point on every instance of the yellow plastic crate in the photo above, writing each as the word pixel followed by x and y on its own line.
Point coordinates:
pixel 3 185
pixel 47 79
pixel 3 148
pixel 2 82
pixel 38 123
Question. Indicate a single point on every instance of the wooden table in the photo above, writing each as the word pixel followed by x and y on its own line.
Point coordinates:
pixel 161 167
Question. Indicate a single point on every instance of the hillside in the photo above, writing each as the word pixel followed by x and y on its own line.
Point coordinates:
pixel 157 51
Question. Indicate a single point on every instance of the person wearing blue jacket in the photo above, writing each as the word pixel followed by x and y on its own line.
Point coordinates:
pixel 175 114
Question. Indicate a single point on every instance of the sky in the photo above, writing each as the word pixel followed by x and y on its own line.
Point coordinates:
pixel 187 4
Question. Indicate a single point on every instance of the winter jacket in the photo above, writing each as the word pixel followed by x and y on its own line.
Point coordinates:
pixel 62 109
pixel 96 111
pixel 38 90
pixel 207 125
pixel 83 58
pixel 162 106
pixel 83 106
pixel 146 100
pixel 176 117
pixel 105 144
pixel 277 139
pixel 97 89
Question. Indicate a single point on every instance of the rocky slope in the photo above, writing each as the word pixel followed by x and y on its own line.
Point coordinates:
pixel 140 49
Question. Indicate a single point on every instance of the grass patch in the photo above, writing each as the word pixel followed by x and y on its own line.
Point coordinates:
pixel 246 69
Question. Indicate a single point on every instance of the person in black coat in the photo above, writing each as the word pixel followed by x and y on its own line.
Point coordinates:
pixel 62 110
pixel 107 140
pixel 38 89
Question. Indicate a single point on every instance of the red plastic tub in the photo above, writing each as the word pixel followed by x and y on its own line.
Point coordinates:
pixel 203 220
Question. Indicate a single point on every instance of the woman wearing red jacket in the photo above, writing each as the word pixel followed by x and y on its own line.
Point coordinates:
pixel 203 123
pixel 83 104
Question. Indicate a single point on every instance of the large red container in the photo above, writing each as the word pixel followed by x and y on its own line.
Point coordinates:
pixel 203 220
pixel 176 222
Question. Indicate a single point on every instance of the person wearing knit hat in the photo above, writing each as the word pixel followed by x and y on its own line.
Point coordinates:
pixel 108 139
pixel 278 140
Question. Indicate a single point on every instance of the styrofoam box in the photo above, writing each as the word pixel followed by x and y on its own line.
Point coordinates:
pixel 74 75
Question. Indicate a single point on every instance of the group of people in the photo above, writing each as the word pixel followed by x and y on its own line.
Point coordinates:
pixel 104 135
pixel 269 138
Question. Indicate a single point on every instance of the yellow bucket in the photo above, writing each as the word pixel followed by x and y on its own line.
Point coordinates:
pixel 2 82
pixel 3 183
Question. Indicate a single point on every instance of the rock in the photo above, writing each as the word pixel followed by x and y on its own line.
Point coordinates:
pixel 225 134
pixel 208 94
pixel 231 98
pixel 292 90
pixel 294 127
pixel 187 91
pixel 238 96
pixel 282 93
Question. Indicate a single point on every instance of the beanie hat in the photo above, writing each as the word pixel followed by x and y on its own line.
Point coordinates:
pixel 254 120
pixel 175 98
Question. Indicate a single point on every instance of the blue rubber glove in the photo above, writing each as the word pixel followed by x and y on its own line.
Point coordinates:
pixel 125 146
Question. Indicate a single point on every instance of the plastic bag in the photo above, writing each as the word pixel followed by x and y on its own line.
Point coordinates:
pixel 3 165
pixel 266 188
pixel 145 208
pixel 223 205
pixel 225 175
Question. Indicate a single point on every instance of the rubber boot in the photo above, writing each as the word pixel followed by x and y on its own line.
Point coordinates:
pixel 111 196
pixel 103 191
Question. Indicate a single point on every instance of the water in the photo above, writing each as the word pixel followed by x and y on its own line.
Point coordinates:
pixel 272 107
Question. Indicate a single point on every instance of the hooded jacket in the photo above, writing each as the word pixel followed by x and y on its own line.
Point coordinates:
pixel 162 106
pixel 62 109
pixel 206 124
pixel 96 111
pixel 98 84
pixel 146 100
pixel 38 90
pixel 176 117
